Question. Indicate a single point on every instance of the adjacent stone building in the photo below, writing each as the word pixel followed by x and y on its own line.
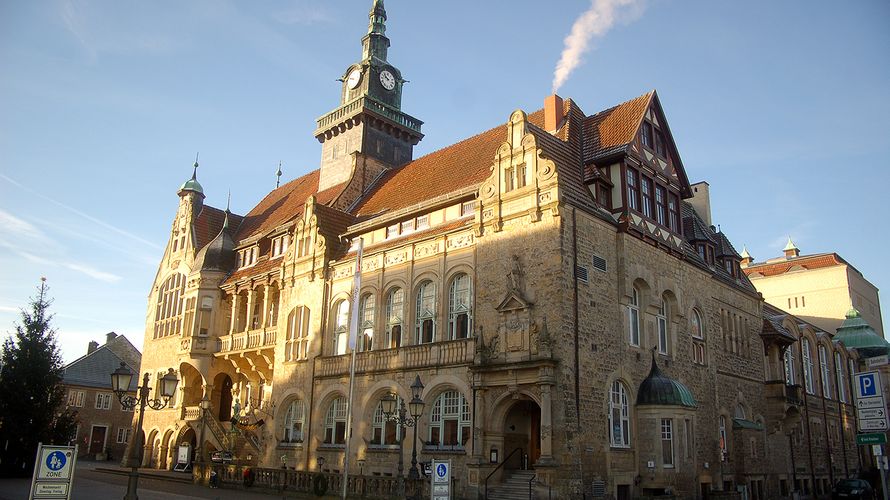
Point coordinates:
pixel 554 282
pixel 104 427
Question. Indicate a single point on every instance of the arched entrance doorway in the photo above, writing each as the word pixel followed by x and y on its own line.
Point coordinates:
pixel 522 429
pixel 222 396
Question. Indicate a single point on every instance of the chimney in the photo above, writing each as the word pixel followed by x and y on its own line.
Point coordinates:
pixel 110 336
pixel 553 113
pixel 92 346
pixel 701 201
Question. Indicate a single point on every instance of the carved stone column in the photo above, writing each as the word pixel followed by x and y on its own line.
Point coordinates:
pixel 264 318
pixel 478 426
pixel 248 320
pixel 546 425
pixel 236 301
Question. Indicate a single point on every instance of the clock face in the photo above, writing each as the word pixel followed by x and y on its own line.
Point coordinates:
pixel 354 78
pixel 387 80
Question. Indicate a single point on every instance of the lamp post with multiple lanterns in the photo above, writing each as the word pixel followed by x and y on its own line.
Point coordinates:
pixel 205 406
pixel 120 383
pixel 405 418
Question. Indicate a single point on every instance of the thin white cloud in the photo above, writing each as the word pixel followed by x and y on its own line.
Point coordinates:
pixel 9 309
pixel 82 214
pixel 594 22
pixel 74 266
pixel 74 21
pixel 303 13
pixel 13 225
pixel 92 272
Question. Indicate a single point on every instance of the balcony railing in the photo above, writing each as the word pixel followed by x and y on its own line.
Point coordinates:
pixel 191 413
pixel 372 104
pixel 409 357
pixel 245 341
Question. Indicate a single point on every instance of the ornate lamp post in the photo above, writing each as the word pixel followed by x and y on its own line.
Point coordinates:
pixel 120 383
pixel 205 407
pixel 402 418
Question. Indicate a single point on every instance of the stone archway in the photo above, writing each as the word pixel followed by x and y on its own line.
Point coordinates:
pixel 522 429
pixel 222 396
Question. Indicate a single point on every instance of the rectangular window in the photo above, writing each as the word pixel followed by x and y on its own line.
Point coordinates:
pixel 123 434
pixel 279 245
pixel 660 205
pixel 673 214
pixel 634 318
pixel 662 335
pixel 660 145
pixel 646 188
pixel 392 231
pixel 605 197
pixel 467 208
pixel 646 135
pixel 633 193
pixel 407 226
pixel 667 442
pixel 423 222
pixel 508 179
pixel 103 401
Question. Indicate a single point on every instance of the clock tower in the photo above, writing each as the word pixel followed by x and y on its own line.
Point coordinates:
pixel 368 130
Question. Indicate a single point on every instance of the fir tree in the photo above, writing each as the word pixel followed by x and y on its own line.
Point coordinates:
pixel 32 398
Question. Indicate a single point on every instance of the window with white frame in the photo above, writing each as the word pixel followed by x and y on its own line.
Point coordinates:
pixel 450 421
pixel 75 398
pixel 335 423
pixel 279 245
pixel 633 318
pixel 841 380
pixel 425 313
pixel 395 306
pixel 807 365
pixel 662 326
pixel 667 442
pixel 790 379
pixel 423 222
pixel 297 343
pixel 366 328
pixel 385 432
pixel 168 314
pixel 459 310
pixel 103 401
pixel 293 422
pixel 467 207
pixel 406 226
pixel 123 434
pixel 248 256
pixel 825 372
pixel 619 416
pixel 698 338
pixel 341 326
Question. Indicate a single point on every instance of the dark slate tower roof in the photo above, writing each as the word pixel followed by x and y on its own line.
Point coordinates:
pixel 660 390
pixel 219 254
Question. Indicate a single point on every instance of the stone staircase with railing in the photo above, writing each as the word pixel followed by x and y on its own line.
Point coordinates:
pixel 514 486
pixel 225 436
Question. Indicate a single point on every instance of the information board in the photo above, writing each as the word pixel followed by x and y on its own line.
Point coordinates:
pixel 871 409
pixel 53 472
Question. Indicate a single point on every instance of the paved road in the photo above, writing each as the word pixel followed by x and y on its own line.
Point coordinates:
pixel 91 485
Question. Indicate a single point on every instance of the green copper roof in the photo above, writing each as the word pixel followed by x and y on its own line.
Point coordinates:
pixel 661 390
pixel 192 184
pixel 741 423
pixel 856 333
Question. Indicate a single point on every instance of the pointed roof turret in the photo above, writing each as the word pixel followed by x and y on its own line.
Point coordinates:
pixel 219 254
pixel 375 43
pixel 747 259
pixel 856 333
pixel 791 249
pixel 192 184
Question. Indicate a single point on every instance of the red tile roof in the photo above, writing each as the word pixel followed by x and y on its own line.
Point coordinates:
pixel 209 223
pixel 284 204
pixel 612 130
pixel 807 262
pixel 449 169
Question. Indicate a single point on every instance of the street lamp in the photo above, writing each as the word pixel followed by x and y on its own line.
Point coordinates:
pixel 120 384
pixel 205 406
pixel 401 417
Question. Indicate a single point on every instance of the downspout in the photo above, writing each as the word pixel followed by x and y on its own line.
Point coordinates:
pixel 575 317
pixel 324 320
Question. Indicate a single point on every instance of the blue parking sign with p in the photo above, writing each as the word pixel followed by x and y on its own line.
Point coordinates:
pixel 868 384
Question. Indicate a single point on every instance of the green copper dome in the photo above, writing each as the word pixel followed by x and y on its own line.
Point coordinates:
pixel 661 390
pixel 192 184
pixel 856 333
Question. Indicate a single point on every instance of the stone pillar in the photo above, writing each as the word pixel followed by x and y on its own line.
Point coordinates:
pixel 236 301
pixel 264 314
pixel 546 425
pixel 251 298
pixel 478 426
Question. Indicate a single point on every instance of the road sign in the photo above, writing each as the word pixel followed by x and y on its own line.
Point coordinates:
pixel 441 480
pixel 868 384
pixel 877 361
pixel 873 424
pixel 870 403
pixel 871 438
pixel 53 472
pixel 873 413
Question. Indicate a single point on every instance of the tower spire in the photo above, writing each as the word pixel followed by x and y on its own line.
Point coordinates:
pixel 375 43
pixel 195 171
pixel 228 203
pixel 278 175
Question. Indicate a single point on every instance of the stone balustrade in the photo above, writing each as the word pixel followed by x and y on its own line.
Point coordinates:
pixel 246 341
pixel 454 352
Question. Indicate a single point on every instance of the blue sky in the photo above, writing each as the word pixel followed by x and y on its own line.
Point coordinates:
pixel 781 106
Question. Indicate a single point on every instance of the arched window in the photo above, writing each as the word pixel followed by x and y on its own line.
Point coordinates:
pixel 168 315
pixel 450 421
pixel 789 365
pixel 459 309
pixel 633 318
pixel 425 314
pixel 740 412
pixel 293 423
pixel 662 324
pixel 341 326
pixel 366 313
pixel 395 306
pixel 841 379
pixel 619 416
pixel 297 345
pixel 335 423
pixel 698 337
pixel 385 432
pixel 807 365
pixel 825 372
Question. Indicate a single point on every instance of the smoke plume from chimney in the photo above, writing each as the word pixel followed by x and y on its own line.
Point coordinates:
pixel 594 22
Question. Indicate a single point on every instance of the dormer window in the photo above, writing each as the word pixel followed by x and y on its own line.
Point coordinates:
pixel 647 135
pixel 407 226
pixel 279 245
pixel 467 208
pixel 706 252
pixel 247 257
pixel 423 222
pixel 660 148
pixel 303 246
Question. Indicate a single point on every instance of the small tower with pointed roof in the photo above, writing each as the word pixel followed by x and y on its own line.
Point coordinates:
pixel 747 259
pixel 791 250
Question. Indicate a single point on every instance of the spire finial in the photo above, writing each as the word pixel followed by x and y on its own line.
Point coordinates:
pixel 228 203
pixel 377 22
pixel 790 245
pixel 195 171
pixel 278 175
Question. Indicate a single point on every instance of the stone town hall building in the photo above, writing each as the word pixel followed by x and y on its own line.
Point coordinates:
pixel 551 281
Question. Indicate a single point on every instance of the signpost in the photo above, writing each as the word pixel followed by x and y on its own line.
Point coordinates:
pixel 53 472
pixel 871 414
pixel 441 487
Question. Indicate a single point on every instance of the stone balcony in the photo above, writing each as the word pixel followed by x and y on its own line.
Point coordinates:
pixel 453 352
pixel 252 350
pixel 778 389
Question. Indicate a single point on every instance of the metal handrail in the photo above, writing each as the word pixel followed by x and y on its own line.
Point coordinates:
pixel 503 463
pixel 530 481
